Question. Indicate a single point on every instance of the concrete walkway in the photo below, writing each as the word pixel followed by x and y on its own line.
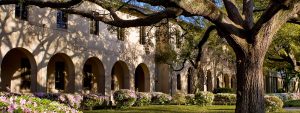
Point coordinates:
pixel 292 108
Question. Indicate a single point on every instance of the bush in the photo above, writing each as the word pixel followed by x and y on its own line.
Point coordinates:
pixel 72 100
pixel 92 101
pixel 27 104
pixel 225 99
pixel 124 98
pixel 190 99
pixel 292 103
pixel 142 99
pixel 223 90
pixel 273 103
pixel 179 98
pixel 204 98
pixel 160 98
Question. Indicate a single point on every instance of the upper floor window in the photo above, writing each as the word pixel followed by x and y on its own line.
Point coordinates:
pixel 94 27
pixel 62 20
pixel 142 35
pixel 121 33
pixel 21 12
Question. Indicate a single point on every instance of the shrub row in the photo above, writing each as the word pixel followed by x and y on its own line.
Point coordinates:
pixel 28 104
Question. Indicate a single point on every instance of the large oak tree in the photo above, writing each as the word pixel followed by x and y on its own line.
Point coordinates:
pixel 249 37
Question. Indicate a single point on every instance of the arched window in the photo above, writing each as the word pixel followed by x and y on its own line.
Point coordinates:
pixel 178 82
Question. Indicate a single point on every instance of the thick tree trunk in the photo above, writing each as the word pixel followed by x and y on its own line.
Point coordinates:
pixel 250 86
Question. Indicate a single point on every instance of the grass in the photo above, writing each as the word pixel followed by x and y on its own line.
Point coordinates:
pixel 175 109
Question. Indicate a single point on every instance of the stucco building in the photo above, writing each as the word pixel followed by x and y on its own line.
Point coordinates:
pixel 47 50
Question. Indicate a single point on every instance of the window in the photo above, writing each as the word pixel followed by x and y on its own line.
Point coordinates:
pixel 178 82
pixel 94 27
pixel 142 35
pixel 21 12
pixel 121 34
pixel 87 78
pixel 25 73
pixel 62 20
pixel 60 75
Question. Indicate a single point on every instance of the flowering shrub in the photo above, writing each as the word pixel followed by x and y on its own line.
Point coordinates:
pixel 160 98
pixel 142 99
pixel 92 101
pixel 190 99
pixel 273 103
pixel 27 104
pixel 72 100
pixel 225 99
pixel 179 98
pixel 204 98
pixel 124 98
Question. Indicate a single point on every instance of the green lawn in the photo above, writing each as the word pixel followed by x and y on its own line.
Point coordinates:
pixel 174 109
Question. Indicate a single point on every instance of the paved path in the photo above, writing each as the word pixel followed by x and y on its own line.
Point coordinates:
pixel 292 108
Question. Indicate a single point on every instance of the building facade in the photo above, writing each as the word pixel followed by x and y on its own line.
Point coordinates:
pixel 47 50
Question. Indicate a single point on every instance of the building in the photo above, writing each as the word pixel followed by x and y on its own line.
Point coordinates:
pixel 47 50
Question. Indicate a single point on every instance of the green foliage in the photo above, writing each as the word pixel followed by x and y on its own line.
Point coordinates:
pixel 124 98
pixel 225 99
pixel 273 103
pixel 223 90
pixel 179 98
pixel 142 99
pixel 292 103
pixel 92 101
pixel 160 98
pixel 204 98
pixel 190 99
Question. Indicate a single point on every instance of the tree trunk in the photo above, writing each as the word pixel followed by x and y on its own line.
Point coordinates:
pixel 250 86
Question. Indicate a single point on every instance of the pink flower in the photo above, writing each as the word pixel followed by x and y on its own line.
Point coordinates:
pixel 22 101
pixel 3 99
pixel 11 108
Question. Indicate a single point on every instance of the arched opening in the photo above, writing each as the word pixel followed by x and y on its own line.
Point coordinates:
pixel 93 76
pixel 120 76
pixel 218 83
pixel 18 71
pixel 142 78
pixel 178 82
pixel 209 81
pixel 189 81
pixel 227 81
pixel 233 82
pixel 60 74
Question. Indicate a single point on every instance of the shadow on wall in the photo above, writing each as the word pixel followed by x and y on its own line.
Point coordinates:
pixel 30 47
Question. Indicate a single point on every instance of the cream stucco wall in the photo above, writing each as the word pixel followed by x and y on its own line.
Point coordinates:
pixel 42 39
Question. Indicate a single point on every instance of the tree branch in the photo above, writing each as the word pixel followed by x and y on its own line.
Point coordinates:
pixel 143 21
pixel 202 42
pixel 233 12
pixel 248 13
pixel 41 3
pixel 273 9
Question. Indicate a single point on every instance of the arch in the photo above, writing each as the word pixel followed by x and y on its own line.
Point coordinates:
pixel 120 76
pixel 178 82
pixel 18 71
pixel 93 76
pixel 60 74
pixel 142 78
pixel 209 81
pixel 189 80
